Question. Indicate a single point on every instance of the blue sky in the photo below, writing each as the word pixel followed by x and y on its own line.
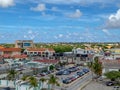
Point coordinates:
pixel 60 20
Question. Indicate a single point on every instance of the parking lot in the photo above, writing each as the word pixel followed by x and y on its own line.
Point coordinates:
pixel 70 74
pixel 76 80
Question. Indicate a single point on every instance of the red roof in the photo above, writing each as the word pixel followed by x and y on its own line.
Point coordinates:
pixel 19 56
pixel 6 55
pixel 47 61
pixel 10 49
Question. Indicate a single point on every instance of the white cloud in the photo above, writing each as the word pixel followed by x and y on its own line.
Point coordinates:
pixel 113 21
pixel 6 3
pixel 60 35
pixel 40 7
pixel 106 31
pixel 54 9
pixel 76 14
pixel 30 32
pixel 55 37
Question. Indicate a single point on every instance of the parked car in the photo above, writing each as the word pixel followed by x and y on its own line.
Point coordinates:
pixel 80 73
pixel 59 68
pixel 42 74
pixel 76 76
pixel 73 78
pixel 116 88
pixel 66 73
pixel 111 83
pixel 67 80
pixel 59 73
pixel 72 69
pixel 85 70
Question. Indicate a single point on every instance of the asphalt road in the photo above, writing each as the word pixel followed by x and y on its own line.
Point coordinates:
pixel 75 85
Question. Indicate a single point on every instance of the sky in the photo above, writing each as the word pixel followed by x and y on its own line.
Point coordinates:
pixel 60 20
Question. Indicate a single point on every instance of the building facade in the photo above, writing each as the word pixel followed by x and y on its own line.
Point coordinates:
pixel 110 65
pixel 10 51
pixel 24 44
pixel 43 52
pixel 82 51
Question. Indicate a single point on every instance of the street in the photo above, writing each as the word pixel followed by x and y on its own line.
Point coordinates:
pixel 75 85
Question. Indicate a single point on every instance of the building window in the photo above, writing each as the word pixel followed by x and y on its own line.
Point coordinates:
pixel 35 52
pixel 31 52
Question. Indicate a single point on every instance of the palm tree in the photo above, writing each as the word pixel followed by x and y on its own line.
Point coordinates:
pixel 33 82
pixel 25 78
pixel 12 75
pixel 43 80
pixel 53 81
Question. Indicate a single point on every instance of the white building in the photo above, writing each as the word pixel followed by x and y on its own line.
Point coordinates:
pixel 110 65
pixel 45 52
pixel 82 51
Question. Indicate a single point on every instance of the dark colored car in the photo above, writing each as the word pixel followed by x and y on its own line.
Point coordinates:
pixel 59 73
pixel 80 73
pixel 110 83
pixel 72 69
pixel 116 87
pixel 85 70
pixel 42 74
pixel 66 73
pixel 67 80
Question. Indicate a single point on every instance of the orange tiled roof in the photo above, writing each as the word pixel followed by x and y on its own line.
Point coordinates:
pixel 1 47
pixel 10 49
pixel 19 56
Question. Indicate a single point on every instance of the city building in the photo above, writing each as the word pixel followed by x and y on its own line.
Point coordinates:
pixel 82 51
pixel 43 52
pixel 77 56
pixel 8 52
pixel 24 44
pixel 113 53
pixel 110 65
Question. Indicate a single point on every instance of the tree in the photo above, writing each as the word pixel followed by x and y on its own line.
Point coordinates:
pixel 97 67
pixel 12 75
pixel 113 75
pixel 43 80
pixel 51 67
pixel 53 81
pixel 25 78
pixel 33 82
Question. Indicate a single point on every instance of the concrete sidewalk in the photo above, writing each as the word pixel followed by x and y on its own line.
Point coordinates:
pixel 96 86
